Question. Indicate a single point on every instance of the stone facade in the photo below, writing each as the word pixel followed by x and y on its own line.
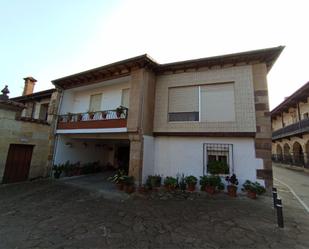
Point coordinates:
pixel 263 124
pixel 19 132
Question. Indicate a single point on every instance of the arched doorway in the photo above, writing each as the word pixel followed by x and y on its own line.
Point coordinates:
pixel 298 154
pixel 286 154
pixel 279 152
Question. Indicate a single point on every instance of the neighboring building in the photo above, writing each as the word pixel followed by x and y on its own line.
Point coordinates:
pixel 25 133
pixel 290 126
pixel 176 116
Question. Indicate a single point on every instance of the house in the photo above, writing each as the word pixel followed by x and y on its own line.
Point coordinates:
pixel 169 119
pixel 290 126
pixel 25 133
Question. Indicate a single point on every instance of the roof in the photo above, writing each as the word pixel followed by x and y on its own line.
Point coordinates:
pixel 8 104
pixel 268 56
pixel 123 68
pixel 299 95
pixel 35 96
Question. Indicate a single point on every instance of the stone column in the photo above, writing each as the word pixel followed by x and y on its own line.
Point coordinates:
pixel 136 157
pixel 263 135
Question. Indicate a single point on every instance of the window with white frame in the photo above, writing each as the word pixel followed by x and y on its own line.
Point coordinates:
pixel 95 102
pixel 125 97
pixel 218 158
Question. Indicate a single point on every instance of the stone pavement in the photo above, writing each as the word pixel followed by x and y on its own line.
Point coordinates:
pixel 52 214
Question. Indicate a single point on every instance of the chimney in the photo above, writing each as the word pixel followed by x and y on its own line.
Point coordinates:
pixel 29 85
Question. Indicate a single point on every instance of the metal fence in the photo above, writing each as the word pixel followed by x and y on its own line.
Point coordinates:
pixel 295 160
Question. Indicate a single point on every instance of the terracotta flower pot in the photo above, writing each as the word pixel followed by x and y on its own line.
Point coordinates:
pixel 251 195
pixel 129 189
pixel 210 190
pixel 191 187
pixel 232 190
pixel 119 186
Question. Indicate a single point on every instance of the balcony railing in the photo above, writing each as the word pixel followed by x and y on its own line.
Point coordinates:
pixel 293 129
pixel 93 120
pixel 295 160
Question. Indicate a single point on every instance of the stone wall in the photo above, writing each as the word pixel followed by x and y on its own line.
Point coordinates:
pixel 263 141
pixel 20 132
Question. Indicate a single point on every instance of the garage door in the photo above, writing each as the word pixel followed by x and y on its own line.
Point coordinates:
pixel 17 163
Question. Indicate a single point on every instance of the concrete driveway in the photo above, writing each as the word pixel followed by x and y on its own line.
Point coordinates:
pixel 54 214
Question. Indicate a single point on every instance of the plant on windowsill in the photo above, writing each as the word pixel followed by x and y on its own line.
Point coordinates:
pixel 253 189
pixel 232 185
pixel 91 114
pixel 104 114
pixel 119 111
pixel 170 183
pixel 79 117
pixel 128 184
pixel 191 182
pixel 218 167
pixel 69 116
pixel 210 183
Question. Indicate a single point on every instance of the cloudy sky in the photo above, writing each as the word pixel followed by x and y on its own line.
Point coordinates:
pixel 54 38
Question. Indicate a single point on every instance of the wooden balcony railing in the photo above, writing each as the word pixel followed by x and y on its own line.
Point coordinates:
pixel 293 129
pixel 94 120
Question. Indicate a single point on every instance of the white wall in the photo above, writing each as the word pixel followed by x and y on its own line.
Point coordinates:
pixel 77 100
pixel 78 151
pixel 177 155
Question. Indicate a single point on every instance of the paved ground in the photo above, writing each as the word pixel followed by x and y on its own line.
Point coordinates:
pixel 47 214
pixel 297 180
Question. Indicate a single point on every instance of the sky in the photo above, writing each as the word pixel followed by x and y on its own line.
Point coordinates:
pixel 55 38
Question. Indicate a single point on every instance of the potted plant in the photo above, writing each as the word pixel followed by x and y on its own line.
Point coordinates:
pixel 153 181
pixel 232 185
pixel 170 183
pixel 210 183
pixel 217 167
pixel 104 114
pixel 57 171
pixel 191 182
pixel 118 179
pixel 69 117
pixel 119 111
pixel 79 117
pixel 91 114
pixel 128 184
pixel 253 189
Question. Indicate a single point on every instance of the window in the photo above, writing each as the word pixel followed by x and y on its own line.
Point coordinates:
pixel 206 103
pixel 125 97
pixel 95 102
pixel 43 112
pixel 183 104
pixel 218 158
pixel 217 103
pixel 305 115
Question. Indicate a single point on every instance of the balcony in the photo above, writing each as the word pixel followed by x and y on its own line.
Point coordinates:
pixel 291 130
pixel 94 120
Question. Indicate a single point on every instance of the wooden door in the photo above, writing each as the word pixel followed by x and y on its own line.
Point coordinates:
pixel 17 163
